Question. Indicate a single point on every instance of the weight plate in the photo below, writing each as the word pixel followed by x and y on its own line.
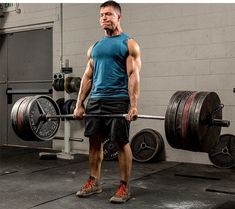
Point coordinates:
pixel 206 105
pixel 223 153
pixel 75 84
pixel 67 85
pixel 146 145
pixel 22 127
pixel 60 103
pixel 109 150
pixel 42 130
pixel 58 84
pixel 27 133
pixel 66 106
pixel 72 106
pixel 14 116
pixel 161 143
pixel 55 84
pixel 178 119
pixel 170 118
pixel 195 145
pixel 61 84
pixel 184 124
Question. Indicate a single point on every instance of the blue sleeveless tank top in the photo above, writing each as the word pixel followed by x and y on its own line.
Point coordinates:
pixel 110 78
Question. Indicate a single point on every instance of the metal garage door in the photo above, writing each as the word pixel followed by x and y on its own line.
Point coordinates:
pixel 27 61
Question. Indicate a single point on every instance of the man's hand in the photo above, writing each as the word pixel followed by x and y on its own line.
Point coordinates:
pixel 79 112
pixel 132 114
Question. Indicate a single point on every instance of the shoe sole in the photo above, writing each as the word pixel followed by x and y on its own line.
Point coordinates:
pixel 119 201
pixel 89 194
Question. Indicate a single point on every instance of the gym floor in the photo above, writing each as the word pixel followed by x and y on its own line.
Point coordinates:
pixel 27 181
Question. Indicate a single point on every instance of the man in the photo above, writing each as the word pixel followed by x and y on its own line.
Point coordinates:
pixel 112 80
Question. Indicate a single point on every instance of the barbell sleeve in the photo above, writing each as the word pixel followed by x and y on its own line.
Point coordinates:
pixel 220 123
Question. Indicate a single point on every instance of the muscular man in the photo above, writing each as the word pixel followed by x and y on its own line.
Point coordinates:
pixel 112 80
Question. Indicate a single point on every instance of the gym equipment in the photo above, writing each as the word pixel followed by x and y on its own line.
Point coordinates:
pixel 58 84
pixel 109 150
pixel 146 145
pixel 193 120
pixel 72 84
pixel 222 155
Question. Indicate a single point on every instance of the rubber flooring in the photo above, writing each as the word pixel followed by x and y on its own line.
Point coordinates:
pixel 27 181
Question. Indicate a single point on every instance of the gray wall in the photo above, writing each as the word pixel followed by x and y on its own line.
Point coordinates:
pixel 184 47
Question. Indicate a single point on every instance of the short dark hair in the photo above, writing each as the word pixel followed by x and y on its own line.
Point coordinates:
pixel 113 4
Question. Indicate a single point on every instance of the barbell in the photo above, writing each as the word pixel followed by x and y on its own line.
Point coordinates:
pixel 193 120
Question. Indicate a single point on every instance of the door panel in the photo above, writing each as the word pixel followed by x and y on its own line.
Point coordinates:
pixel 30 55
pixel 3 86
pixel 3 115
pixel 3 59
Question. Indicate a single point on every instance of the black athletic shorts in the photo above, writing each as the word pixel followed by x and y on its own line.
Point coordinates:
pixel 116 129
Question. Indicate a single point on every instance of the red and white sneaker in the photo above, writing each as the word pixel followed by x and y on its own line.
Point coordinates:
pixel 122 193
pixel 91 186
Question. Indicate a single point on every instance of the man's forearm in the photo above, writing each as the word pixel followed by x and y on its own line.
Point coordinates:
pixel 134 87
pixel 84 91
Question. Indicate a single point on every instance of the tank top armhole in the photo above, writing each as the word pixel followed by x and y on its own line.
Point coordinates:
pixel 93 48
pixel 126 42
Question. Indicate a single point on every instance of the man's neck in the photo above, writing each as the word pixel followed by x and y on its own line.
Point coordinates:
pixel 116 32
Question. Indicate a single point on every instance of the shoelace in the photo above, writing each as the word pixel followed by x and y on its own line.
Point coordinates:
pixel 90 182
pixel 121 190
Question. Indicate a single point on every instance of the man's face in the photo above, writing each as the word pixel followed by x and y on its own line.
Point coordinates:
pixel 109 18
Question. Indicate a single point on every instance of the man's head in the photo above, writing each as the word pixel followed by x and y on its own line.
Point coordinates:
pixel 113 4
pixel 110 15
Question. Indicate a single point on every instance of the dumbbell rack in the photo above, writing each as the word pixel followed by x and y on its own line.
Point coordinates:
pixel 66 151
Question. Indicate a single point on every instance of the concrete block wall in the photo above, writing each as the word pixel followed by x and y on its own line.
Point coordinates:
pixel 184 47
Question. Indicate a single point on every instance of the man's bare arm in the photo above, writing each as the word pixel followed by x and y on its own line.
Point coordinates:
pixel 133 71
pixel 85 87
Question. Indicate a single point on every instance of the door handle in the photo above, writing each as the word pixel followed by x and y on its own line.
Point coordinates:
pixel 10 92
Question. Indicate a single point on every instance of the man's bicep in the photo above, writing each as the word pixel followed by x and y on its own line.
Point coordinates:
pixel 89 69
pixel 134 57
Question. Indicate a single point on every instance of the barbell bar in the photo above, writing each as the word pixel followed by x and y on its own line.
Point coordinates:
pixel 193 120
pixel 71 116
pixel 212 122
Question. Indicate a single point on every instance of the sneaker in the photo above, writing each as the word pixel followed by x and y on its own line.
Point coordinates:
pixel 122 193
pixel 90 187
